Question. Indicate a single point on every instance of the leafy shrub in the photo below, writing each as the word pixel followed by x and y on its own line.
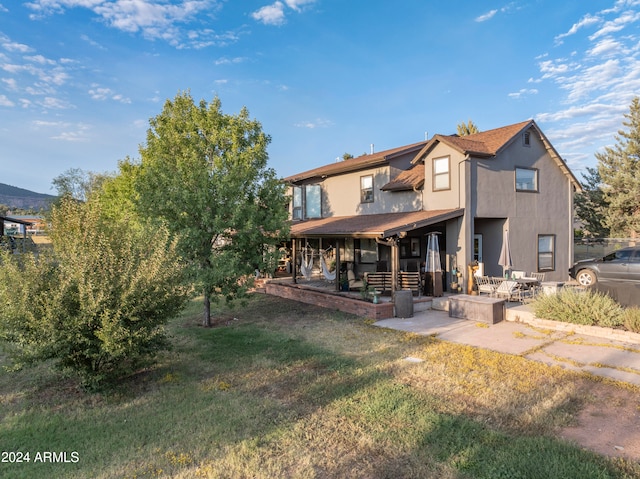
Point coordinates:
pixel 579 307
pixel 97 304
pixel 631 319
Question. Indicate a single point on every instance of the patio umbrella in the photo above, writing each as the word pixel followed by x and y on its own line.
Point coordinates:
pixel 505 253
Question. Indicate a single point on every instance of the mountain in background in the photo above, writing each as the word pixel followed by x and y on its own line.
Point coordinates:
pixel 14 197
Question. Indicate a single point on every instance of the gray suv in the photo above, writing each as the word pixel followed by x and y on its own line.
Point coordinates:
pixel 621 265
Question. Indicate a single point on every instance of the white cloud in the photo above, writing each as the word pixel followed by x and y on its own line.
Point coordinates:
pixel 102 94
pixel 270 14
pixel 523 92
pixel 586 21
pixel 153 19
pixel 227 61
pixel 318 123
pixel 487 16
pixel 275 13
pixel 4 101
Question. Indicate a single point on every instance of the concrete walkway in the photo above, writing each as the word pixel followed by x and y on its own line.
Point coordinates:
pixel 601 352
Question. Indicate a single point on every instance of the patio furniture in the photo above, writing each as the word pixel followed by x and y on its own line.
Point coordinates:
pixel 380 281
pixel 354 283
pixel 477 308
pixel 410 280
pixel 486 285
pixel 329 275
pixel 508 290
pixel 538 276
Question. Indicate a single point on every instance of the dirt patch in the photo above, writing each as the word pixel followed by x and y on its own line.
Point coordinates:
pixel 609 423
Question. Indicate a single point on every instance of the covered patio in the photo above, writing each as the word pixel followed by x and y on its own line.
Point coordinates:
pixel 325 252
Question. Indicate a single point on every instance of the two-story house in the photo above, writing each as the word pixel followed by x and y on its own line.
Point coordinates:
pixel 374 212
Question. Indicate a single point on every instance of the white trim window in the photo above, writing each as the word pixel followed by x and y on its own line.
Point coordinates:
pixel 441 176
pixel 366 189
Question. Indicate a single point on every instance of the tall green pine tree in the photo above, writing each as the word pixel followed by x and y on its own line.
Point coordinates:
pixel 619 168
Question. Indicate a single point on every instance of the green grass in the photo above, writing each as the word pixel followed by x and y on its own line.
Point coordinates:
pixel 290 390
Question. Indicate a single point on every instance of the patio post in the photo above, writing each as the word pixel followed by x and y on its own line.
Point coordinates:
pixel 294 260
pixel 338 285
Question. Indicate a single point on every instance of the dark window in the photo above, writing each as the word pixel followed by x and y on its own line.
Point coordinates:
pixel 546 252
pixel 526 179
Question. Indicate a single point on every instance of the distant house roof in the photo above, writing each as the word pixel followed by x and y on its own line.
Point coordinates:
pixel 411 179
pixel 371 226
pixel 355 164
pixel 489 143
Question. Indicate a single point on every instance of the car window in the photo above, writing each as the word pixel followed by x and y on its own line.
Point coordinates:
pixel 636 256
pixel 621 255
pixel 624 254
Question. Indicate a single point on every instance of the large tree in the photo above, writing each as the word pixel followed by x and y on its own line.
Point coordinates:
pixel 591 207
pixel 204 174
pixel 619 169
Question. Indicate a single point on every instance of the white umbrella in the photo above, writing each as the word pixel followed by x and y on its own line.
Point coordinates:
pixel 505 253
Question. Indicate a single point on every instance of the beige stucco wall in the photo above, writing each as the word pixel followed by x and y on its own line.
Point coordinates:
pixel 341 195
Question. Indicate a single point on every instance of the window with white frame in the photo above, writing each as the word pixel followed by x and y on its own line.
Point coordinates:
pixel 526 179
pixel 366 189
pixel 546 252
pixel 441 177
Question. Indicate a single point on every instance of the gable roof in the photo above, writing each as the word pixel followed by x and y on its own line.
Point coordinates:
pixel 355 164
pixel 490 143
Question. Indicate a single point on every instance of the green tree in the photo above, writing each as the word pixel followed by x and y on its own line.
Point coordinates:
pixel 619 168
pixel 97 303
pixel 77 183
pixel 465 129
pixel 591 207
pixel 204 174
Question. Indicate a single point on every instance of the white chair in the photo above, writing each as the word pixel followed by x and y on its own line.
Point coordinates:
pixel 507 290
pixel 518 274
pixel 485 285
pixel 538 276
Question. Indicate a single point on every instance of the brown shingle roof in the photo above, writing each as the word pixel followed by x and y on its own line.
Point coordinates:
pixel 355 164
pixel 411 179
pixel 371 226
pixel 485 143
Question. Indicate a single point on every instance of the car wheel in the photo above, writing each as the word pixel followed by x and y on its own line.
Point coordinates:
pixel 586 277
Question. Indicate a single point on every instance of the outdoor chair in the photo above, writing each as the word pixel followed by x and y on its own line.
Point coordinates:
pixel 538 276
pixel 486 285
pixel 353 282
pixel 508 290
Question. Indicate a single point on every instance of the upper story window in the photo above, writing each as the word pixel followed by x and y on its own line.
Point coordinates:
pixel 441 176
pixel 526 138
pixel 526 179
pixel 313 207
pixel 366 189
pixel 296 212
pixel 307 202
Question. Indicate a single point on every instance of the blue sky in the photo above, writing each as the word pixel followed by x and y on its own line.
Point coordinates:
pixel 79 79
